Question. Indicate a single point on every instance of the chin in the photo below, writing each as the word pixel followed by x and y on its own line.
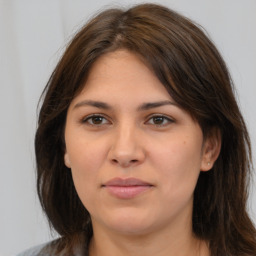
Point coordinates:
pixel 131 230
pixel 131 223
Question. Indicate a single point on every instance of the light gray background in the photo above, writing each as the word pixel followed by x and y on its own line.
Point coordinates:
pixel 33 34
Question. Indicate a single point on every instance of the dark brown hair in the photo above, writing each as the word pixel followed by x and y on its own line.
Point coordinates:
pixel 195 75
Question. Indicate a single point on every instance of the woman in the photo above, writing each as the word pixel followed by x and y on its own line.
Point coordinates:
pixel 141 148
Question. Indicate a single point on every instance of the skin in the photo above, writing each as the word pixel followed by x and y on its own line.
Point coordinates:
pixel 161 145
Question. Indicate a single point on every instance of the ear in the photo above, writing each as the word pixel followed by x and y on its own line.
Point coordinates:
pixel 66 160
pixel 211 149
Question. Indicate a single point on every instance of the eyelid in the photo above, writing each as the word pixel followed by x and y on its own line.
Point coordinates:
pixel 166 117
pixel 84 120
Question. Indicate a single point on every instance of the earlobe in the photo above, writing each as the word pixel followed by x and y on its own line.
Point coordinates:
pixel 211 149
pixel 66 160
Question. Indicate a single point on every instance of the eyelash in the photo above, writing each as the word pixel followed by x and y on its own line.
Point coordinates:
pixel 166 120
pixel 90 117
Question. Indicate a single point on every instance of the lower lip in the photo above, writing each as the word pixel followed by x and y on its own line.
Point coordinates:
pixel 127 192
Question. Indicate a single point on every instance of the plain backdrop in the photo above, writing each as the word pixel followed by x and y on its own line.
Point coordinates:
pixel 33 35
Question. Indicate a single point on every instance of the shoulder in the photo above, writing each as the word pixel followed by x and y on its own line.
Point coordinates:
pixel 35 251
pixel 55 248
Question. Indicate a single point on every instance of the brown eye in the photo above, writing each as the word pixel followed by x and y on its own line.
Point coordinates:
pixel 96 120
pixel 159 120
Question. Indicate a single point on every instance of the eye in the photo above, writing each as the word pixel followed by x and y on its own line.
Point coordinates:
pixel 95 120
pixel 159 120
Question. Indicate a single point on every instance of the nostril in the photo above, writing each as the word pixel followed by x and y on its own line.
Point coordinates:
pixel 123 162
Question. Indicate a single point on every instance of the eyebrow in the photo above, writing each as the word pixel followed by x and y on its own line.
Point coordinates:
pixel 97 104
pixel 150 105
pixel 142 107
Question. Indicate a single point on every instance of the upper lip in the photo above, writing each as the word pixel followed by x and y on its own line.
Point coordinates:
pixel 126 182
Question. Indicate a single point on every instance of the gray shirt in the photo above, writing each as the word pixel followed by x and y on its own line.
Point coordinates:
pixel 47 250
pixel 34 251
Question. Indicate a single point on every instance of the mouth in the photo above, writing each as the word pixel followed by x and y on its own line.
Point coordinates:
pixel 126 188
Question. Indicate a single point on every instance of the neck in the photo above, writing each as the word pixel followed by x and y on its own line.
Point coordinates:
pixel 165 244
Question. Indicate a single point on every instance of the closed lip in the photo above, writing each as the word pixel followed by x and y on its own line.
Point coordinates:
pixel 128 182
pixel 126 188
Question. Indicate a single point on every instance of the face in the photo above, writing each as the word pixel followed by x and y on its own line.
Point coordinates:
pixel 134 154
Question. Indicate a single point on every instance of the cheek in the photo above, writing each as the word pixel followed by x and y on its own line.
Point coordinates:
pixel 178 166
pixel 84 174
pixel 86 160
pixel 85 156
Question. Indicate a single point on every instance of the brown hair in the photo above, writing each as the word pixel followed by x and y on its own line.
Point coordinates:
pixel 195 75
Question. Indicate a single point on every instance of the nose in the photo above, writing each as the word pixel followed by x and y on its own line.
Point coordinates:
pixel 127 147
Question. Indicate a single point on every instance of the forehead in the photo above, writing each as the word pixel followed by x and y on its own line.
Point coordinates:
pixel 118 73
